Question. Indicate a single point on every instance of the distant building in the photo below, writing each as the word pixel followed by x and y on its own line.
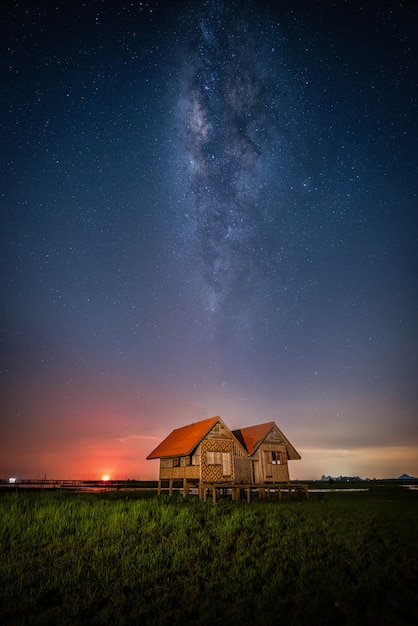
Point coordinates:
pixel 207 452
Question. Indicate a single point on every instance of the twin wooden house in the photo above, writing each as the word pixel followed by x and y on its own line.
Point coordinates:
pixel 208 453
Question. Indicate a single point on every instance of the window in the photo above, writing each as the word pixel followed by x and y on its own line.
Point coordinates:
pixel 226 464
pixel 214 458
pixel 176 461
pixel 273 457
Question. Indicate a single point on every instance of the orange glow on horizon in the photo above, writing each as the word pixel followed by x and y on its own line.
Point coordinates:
pixel 124 458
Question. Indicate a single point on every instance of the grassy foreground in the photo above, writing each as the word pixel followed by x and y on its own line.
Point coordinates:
pixel 117 558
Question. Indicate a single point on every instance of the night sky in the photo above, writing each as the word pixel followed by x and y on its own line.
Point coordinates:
pixel 208 208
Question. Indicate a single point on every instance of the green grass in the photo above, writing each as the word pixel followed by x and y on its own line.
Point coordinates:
pixel 117 558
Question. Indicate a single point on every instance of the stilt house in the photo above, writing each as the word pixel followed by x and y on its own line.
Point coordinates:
pixel 207 452
pixel 203 452
pixel 269 451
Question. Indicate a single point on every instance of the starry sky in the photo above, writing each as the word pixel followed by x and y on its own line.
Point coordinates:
pixel 208 208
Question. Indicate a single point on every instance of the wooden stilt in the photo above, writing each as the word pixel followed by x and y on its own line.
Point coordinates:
pixel 265 491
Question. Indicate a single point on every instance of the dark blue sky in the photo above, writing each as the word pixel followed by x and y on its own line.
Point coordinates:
pixel 208 208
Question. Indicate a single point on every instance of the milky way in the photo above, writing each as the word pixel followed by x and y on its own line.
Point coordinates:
pixel 232 121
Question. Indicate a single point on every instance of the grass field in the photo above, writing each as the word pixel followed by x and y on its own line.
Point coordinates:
pixel 131 558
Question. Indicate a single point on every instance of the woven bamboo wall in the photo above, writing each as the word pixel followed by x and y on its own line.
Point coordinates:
pixel 190 471
pixel 213 473
pixel 280 473
pixel 242 470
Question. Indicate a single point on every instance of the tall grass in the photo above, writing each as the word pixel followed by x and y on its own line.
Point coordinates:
pixel 125 559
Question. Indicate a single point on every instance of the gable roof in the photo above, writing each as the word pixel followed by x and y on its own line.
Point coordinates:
pixel 182 441
pixel 253 436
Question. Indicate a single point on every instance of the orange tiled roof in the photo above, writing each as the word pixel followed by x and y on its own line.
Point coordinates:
pixel 252 436
pixel 182 440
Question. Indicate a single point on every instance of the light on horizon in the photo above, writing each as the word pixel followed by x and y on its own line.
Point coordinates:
pixel 106 477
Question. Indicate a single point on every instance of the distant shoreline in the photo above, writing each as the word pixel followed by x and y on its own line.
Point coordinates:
pixel 151 485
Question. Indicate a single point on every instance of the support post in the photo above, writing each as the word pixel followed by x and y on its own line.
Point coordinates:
pixel 159 487
pixel 170 487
